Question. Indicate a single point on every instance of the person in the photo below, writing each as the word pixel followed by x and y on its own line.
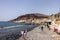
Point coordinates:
pixel 42 27
pixel 24 34
pixel 48 26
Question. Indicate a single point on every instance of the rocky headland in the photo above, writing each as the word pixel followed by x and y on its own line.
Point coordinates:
pixel 30 18
pixel 35 17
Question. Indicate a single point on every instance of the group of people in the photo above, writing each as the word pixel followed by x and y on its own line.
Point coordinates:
pixel 24 34
pixel 45 25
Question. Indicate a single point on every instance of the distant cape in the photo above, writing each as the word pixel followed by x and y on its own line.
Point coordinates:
pixel 30 16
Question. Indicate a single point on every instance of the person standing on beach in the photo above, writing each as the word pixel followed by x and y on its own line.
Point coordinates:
pixel 41 26
pixel 22 32
pixel 25 35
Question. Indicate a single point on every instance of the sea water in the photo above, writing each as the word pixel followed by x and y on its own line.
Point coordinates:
pixel 14 27
pixel 9 29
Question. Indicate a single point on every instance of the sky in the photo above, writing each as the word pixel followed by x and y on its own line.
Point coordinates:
pixel 11 9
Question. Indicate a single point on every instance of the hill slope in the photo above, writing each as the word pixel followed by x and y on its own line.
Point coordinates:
pixel 30 16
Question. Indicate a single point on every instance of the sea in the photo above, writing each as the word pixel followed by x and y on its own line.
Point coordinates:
pixel 5 24
pixel 8 28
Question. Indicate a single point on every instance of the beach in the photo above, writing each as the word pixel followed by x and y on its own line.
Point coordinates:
pixel 38 34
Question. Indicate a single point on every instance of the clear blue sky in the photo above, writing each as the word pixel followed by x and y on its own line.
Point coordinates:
pixel 10 9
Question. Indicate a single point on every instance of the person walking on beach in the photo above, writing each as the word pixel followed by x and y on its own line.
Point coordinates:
pixel 42 28
pixel 48 26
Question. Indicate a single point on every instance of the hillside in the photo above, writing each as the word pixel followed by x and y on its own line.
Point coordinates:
pixel 56 16
pixel 30 16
